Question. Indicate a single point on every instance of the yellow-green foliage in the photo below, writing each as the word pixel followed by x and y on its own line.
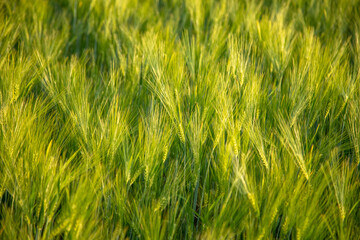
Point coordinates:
pixel 179 119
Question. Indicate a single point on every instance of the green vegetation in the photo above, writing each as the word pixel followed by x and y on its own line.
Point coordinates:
pixel 179 119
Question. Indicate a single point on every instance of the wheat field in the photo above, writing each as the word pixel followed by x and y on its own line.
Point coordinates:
pixel 179 119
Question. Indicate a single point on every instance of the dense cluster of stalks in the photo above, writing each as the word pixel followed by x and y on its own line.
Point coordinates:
pixel 179 119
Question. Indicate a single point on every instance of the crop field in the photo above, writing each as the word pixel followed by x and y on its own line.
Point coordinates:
pixel 179 119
